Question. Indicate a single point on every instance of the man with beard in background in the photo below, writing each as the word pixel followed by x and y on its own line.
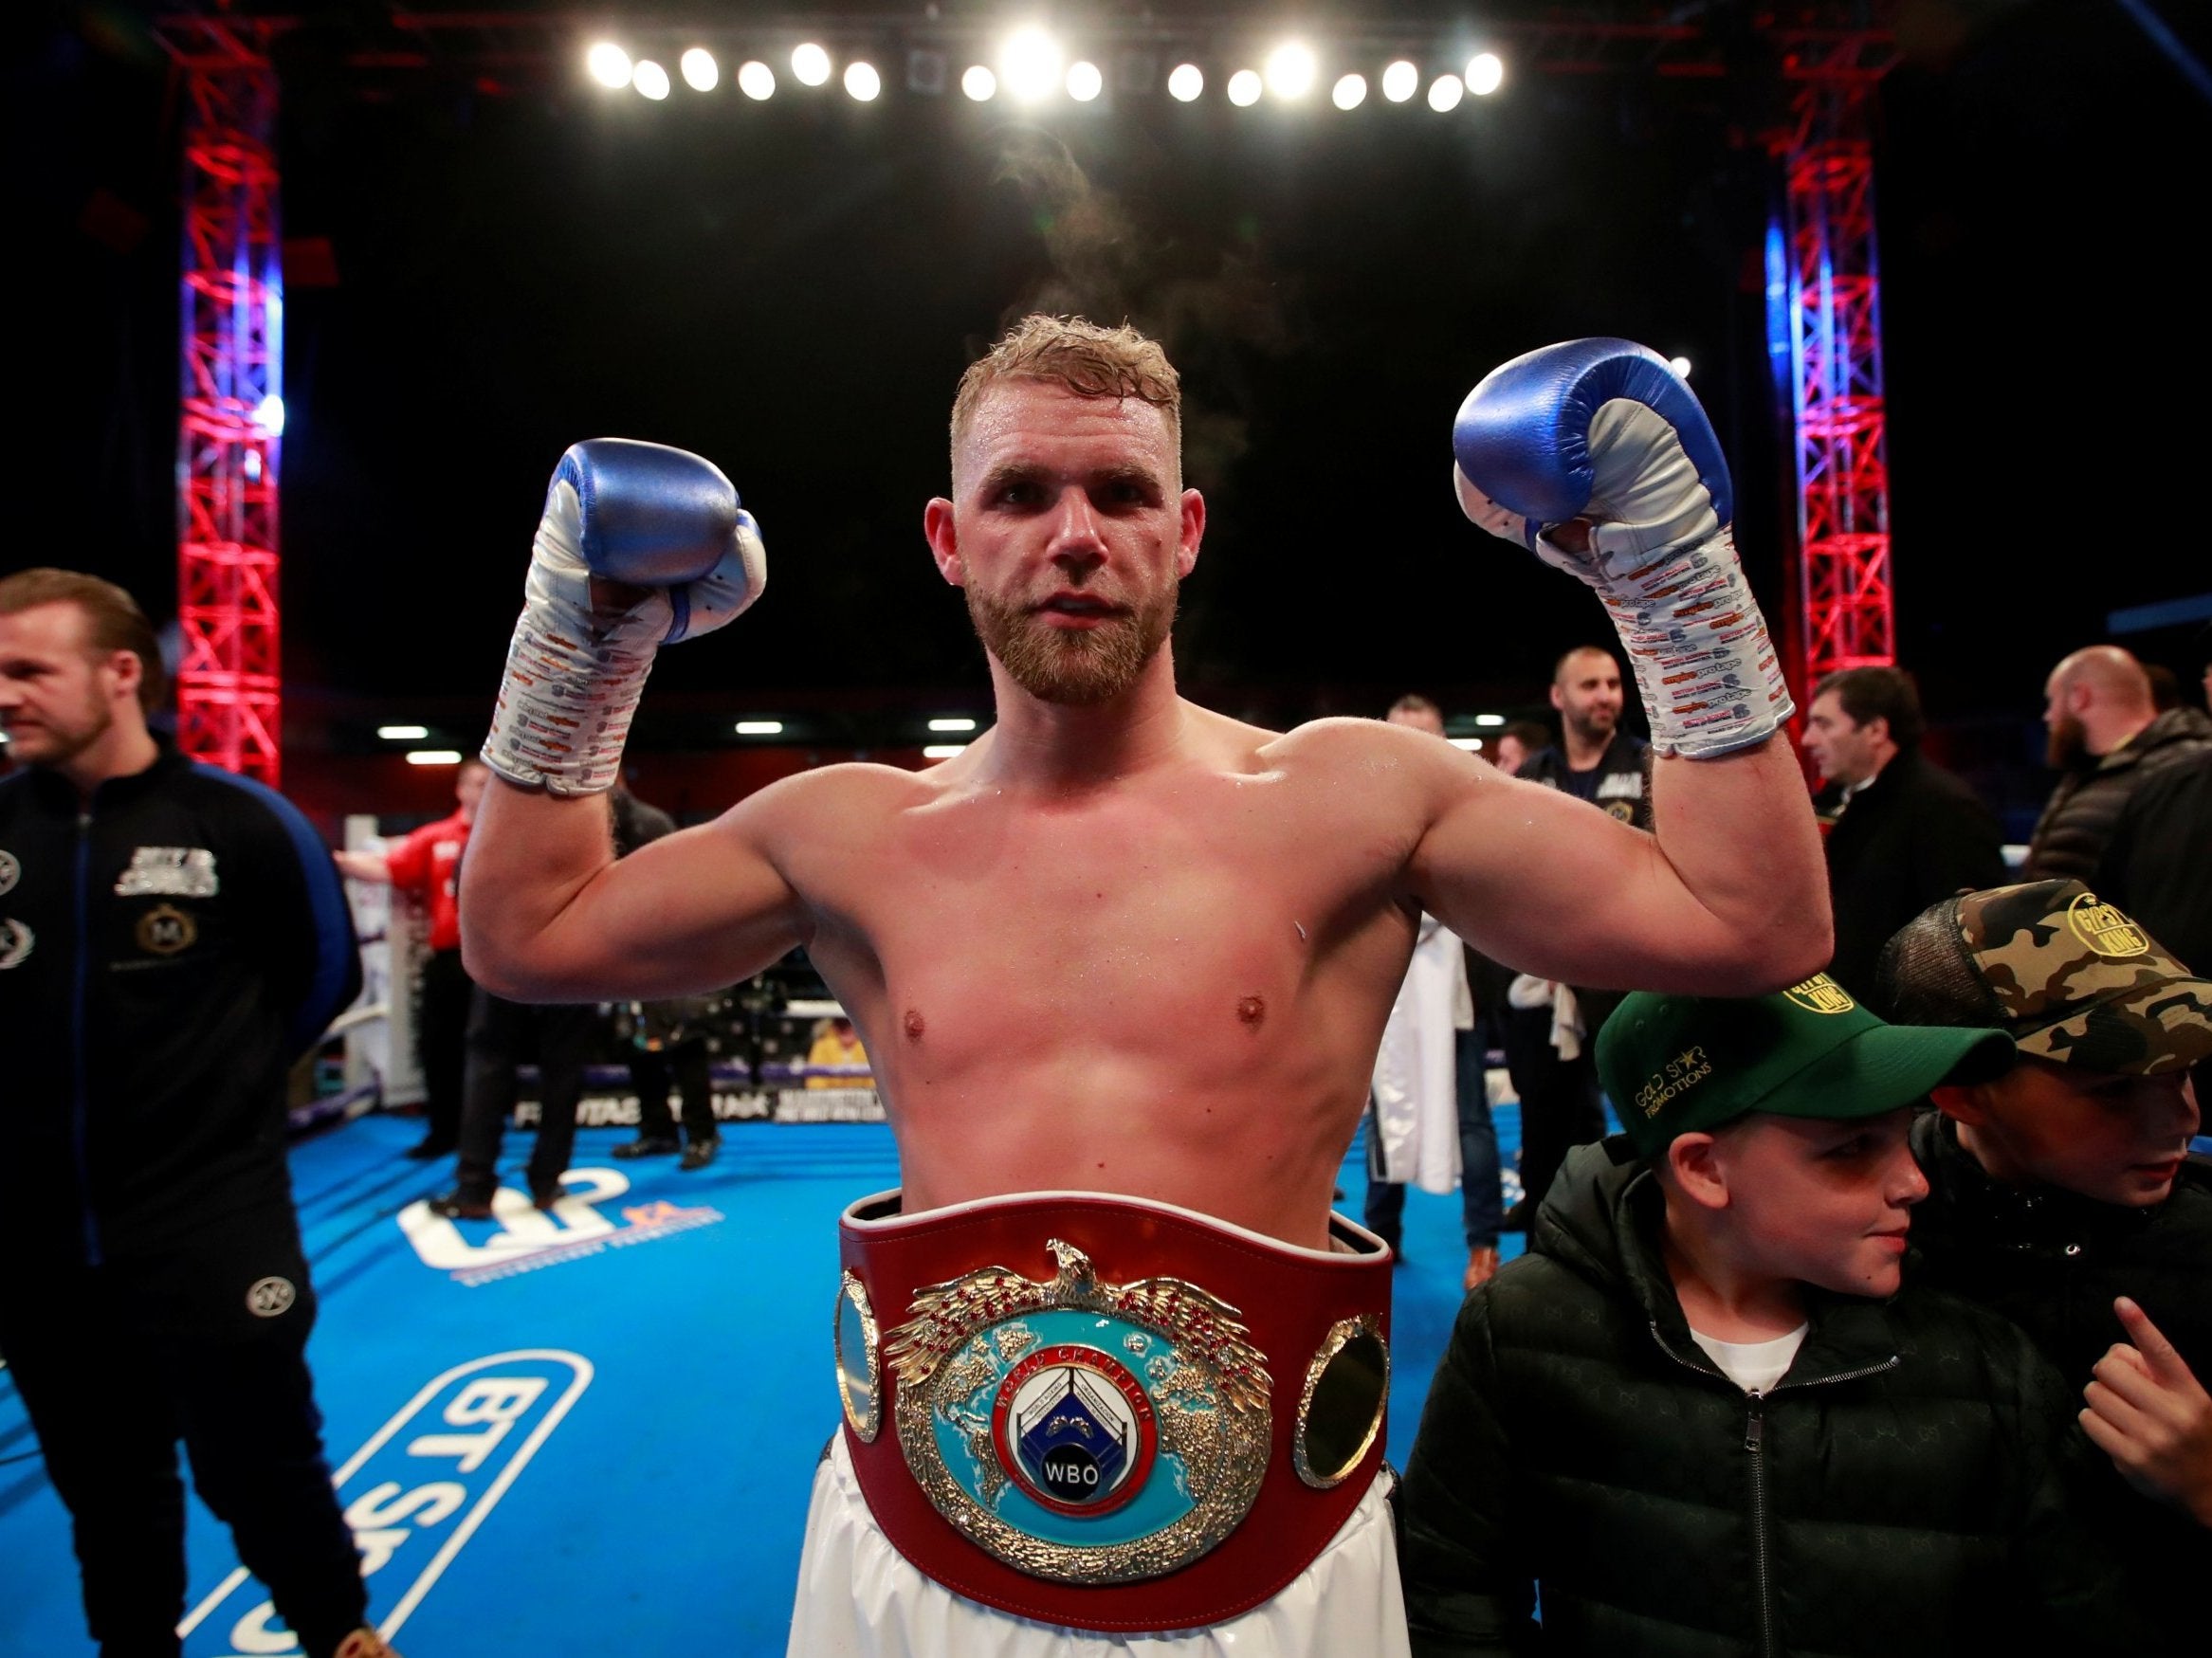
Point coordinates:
pixel 1595 760
pixel 2106 737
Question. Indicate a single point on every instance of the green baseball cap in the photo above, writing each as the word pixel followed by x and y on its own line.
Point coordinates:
pixel 1674 1063
pixel 2071 978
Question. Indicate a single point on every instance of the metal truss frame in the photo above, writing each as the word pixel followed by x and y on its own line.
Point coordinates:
pixel 230 682
pixel 1823 274
pixel 1824 307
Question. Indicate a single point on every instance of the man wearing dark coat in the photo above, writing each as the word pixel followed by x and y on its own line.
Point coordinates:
pixel 2108 738
pixel 1900 832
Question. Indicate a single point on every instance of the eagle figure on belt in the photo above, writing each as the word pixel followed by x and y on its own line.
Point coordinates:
pixel 1203 1327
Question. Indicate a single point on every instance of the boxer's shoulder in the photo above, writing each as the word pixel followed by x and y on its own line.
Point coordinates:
pixel 829 799
pixel 1337 750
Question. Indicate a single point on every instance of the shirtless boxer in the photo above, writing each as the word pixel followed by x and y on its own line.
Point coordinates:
pixel 1126 945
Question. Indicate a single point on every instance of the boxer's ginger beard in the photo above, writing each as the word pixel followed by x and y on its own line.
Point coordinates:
pixel 1075 666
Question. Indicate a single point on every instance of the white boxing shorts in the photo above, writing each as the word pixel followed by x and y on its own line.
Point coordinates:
pixel 858 1597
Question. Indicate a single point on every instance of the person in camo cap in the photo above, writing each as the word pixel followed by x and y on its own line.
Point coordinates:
pixel 2062 1194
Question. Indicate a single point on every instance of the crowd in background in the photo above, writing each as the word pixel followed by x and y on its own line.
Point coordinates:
pixel 1712 1284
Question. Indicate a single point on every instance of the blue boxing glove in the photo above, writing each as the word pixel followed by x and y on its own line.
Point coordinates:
pixel 641 545
pixel 1601 434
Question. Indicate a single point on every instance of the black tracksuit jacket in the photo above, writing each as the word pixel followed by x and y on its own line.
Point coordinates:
pixel 165 953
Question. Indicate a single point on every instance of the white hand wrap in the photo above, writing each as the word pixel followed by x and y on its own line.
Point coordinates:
pixel 574 677
pixel 575 673
pixel 1667 570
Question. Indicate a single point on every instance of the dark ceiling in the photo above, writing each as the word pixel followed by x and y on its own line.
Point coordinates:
pixel 794 288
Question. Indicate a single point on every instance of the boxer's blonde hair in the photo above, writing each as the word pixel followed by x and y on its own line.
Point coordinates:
pixel 113 620
pixel 1088 360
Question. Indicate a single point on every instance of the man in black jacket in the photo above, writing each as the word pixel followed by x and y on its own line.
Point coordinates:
pixel 171 939
pixel 1900 832
pixel 2107 737
pixel 2062 1195
pixel 2154 866
pixel 668 1039
pixel 1700 1416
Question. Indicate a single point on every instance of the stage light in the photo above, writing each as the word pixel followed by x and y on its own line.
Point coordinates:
pixel 1445 92
pixel 757 80
pixel 1471 744
pixel 609 64
pixel 943 751
pixel 811 64
pixel 1350 92
pixel 1680 366
pixel 1401 80
pixel 1486 73
pixel 953 722
pixel 269 415
pixel 650 80
pixel 979 84
pixel 1291 70
pixel 1029 64
pixel 1084 80
pixel 403 732
pixel 433 757
pixel 1245 87
pixel 1187 82
pixel 701 72
pixel 1490 719
pixel 861 81
pixel 759 728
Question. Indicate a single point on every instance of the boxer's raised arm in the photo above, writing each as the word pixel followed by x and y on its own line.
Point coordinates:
pixel 640 546
pixel 1729 898
pixel 547 913
pixel 1594 455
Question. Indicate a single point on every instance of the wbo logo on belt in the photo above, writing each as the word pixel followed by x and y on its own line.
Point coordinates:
pixel 1080 1431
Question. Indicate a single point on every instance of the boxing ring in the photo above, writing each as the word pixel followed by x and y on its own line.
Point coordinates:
pixel 562 1433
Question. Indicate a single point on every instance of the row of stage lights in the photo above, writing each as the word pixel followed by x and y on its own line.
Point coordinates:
pixel 940 727
pixel 1032 67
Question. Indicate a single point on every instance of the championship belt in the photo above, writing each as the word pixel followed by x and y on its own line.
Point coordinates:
pixel 1108 1412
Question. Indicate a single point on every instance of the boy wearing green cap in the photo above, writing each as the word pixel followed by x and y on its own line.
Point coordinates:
pixel 1702 1416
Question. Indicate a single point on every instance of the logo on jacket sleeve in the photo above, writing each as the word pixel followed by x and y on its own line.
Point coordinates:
pixel 164 930
pixel 10 873
pixel 15 942
pixel 169 872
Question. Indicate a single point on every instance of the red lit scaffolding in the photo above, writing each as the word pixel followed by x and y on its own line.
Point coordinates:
pixel 1825 329
pixel 231 416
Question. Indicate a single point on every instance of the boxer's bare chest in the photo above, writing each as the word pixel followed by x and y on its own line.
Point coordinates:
pixel 1207 927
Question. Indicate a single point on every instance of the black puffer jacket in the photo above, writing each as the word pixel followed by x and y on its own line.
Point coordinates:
pixel 2054 1262
pixel 2070 836
pixel 1905 1488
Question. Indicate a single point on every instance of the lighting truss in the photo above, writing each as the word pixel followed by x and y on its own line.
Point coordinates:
pixel 1824 284
pixel 230 401
pixel 1824 305
pixel 507 48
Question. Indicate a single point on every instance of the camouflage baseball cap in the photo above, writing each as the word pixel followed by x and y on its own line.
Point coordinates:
pixel 2072 978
